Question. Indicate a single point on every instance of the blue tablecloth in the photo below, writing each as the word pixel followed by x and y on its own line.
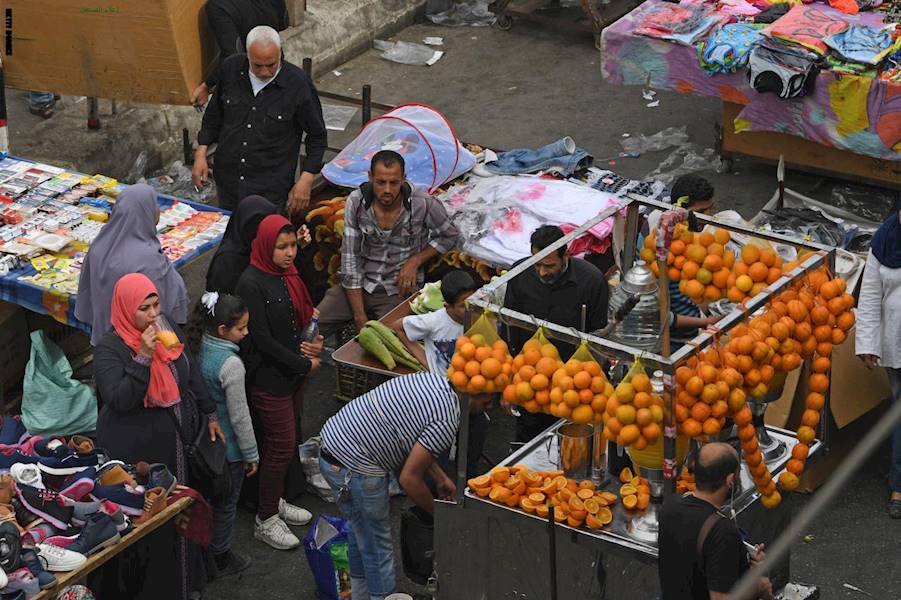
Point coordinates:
pixel 62 306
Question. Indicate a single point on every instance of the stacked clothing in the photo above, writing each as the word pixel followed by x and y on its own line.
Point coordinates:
pixel 683 24
pixel 806 26
pixel 862 44
pixel 784 69
pixel 729 47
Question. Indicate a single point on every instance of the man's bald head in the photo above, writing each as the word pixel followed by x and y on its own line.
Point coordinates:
pixel 713 465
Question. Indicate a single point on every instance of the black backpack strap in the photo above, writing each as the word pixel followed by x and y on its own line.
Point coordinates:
pixel 706 528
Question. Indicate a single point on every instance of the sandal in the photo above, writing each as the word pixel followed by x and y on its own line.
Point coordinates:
pixel 894 508
pixel 45 111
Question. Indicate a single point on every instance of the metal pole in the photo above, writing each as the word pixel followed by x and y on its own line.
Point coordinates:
pixel 552 550
pixel 367 103
pixel 93 113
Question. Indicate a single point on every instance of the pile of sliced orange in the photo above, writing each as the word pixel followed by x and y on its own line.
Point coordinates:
pixel 537 492
pixel 635 491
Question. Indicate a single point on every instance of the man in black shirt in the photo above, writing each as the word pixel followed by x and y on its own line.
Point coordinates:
pixel 259 114
pixel 701 553
pixel 555 290
pixel 230 22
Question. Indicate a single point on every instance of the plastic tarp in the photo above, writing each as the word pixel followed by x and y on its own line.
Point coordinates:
pixel 431 150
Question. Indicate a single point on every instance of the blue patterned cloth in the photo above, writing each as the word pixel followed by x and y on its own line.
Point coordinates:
pixel 862 44
pixel 728 48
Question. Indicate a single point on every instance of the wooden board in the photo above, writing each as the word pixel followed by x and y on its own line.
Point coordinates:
pixel 98 560
pixel 805 155
pixel 352 354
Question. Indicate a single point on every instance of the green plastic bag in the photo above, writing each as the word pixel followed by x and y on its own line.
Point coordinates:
pixel 52 402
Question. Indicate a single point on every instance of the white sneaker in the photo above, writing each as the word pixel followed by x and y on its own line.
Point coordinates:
pixel 293 515
pixel 57 559
pixel 27 475
pixel 275 532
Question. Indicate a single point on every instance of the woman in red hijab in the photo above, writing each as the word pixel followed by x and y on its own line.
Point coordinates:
pixel 277 360
pixel 141 385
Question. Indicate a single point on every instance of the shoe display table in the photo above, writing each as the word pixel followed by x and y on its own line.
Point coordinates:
pixel 98 560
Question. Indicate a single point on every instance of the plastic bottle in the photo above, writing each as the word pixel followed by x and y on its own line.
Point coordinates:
pixel 311 331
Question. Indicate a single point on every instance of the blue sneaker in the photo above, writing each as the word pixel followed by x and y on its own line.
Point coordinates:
pixel 79 485
pixel 160 476
pixel 11 431
pixel 33 563
pixel 69 464
pixel 8 460
pixel 98 533
pixel 130 500
pixel 45 504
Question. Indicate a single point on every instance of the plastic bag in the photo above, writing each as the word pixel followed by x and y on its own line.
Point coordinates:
pixel 583 353
pixel 532 371
pixel 407 53
pixel 52 402
pixel 325 545
pixel 308 453
pixel 485 328
pixel 634 416
pixel 668 138
pixel 481 361
pixel 685 159
pixel 473 13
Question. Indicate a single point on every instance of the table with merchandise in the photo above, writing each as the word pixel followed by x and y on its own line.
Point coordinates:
pixel 50 216
pixel 816 82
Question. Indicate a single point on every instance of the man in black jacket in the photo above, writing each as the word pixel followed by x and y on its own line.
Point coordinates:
pixel 555 289
pixel 702 554
pixel 230 21
pixel 260 112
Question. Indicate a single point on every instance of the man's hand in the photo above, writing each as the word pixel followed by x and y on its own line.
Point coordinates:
pixel 299 196
pixel 759 556
pixel 869 360
pixel 200 95
pixel 315 364
pixel 446 489
pixel 312 349
pixel 250 469
pixel 200 174
pixel 407 277
pixel 360 322
pixel 215 431
pixel 765 589
pixel 303 236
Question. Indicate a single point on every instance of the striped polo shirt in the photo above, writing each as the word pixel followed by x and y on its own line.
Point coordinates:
pixel 375 433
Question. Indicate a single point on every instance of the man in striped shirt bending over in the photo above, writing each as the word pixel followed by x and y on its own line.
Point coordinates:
pixel 403 424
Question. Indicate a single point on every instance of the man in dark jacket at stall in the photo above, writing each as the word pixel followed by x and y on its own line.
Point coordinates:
pixel 555 289
pixel 262 110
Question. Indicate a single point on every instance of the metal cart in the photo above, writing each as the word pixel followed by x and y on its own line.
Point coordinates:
pixel 483 550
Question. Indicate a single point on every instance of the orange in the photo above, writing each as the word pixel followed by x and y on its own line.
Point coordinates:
pixel 810 418
pixel 559 514
pixel 651 432
pixel 845 321
pixel 743 416
pixel 795 466
pixel 788 481
pixel 482 352
pixel 573 521
pixel 824 349
pixel 482 481
pixel 815 401
pixel 460 381
pixel 582 380
pixel 806 434
pixel 750 254
pixel 696 253
pixel 818 382
pixel 774 274
pixel 468 350
pixel 643 417
pixel 737 398
pixel 582 414
pixel 625 476
pixel 713 263
pixel 625 392
pixel 477 384
pixel 721 236
pixel 573 366
pixel 543 397
pixel 626 414
pixel 746 432
pixel 690 269
pixel 629 434
pixel 539 382
pixel 800 452
pixel 705 238
pixel 694 386
pixel 711 426
pixel 491 368
pixel 524 392
pixel 614 426
pixel 549 351
pixel 643 501
pixel 767 257
pixel 694 289
pixel 546 366
pixel 527 505
pixel 758 272
pixel 630 502
pixel 771 501
pixel 691 428
pixel 838 336
pixel 472 369
pixel 531 356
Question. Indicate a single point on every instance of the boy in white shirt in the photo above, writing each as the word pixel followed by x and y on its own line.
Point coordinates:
pixel 438 330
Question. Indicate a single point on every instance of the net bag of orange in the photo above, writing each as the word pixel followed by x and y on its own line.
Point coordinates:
pixel 634 413
pixel 533 369
pixel 579 389
pixel 481 361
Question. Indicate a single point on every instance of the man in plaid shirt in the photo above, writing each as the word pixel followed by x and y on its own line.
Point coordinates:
pixel 390 232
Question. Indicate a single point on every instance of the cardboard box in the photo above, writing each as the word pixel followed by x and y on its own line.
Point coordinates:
pixel 153 51
pixel 14 345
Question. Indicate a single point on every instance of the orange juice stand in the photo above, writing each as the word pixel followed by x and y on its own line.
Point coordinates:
pixel 543 559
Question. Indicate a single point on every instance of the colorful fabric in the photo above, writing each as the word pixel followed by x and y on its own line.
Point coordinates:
pixel 130 292
pixel 838 65
pixel 862 44
pixel 806 26
pixel 729 47
pixel 261 257
pixel 740 8
pixel 685 24
pixel 631 59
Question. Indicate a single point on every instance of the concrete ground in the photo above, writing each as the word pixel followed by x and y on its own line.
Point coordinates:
pixel 524 88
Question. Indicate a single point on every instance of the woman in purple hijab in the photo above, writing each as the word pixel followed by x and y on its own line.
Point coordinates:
pixel 128 244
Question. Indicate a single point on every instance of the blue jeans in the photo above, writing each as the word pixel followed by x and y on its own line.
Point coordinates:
pixel 369 549
pixel 563 156
pixel 894 474
pixel 224 512
pixel 40 98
